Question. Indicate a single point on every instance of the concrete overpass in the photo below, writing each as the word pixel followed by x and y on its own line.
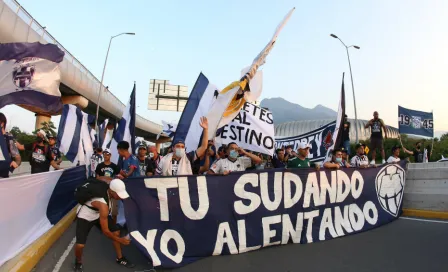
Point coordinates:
pixel 78 85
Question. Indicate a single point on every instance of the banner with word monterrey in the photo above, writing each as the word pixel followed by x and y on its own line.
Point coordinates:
pixel 252 128
pixel 32 204
pixel 320 140
pixel 178 220
pixel 415 122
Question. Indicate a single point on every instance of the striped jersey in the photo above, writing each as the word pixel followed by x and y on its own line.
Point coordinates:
pixel 357 161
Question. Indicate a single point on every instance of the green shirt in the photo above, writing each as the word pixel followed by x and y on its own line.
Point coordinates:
pixel 298 163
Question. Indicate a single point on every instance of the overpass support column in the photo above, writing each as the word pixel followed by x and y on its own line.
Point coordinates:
pixel 158 147
pixel 40 118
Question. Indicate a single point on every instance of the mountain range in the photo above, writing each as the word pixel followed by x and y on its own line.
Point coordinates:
pixel 284 111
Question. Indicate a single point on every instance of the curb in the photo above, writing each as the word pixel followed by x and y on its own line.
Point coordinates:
pixel 425 214
pixel 26 260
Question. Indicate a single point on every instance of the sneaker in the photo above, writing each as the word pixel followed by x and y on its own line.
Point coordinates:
pixel 125 262
pixel 78 267
pixel 372 162
pixel 383 161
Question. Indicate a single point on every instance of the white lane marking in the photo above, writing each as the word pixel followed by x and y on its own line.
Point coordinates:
pixel 64 256
pixel 424 220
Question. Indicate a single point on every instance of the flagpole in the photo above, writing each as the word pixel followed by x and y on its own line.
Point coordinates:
pixel 101 84
pixel 432 144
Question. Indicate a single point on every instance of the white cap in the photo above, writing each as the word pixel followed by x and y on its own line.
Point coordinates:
pixel 117 185
pixel 107 150
pixel 303 145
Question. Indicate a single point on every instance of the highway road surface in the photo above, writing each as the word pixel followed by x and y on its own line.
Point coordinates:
pixel 407 244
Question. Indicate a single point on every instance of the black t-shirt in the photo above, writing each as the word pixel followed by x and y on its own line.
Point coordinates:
pixel 56 153
pixel 346 132
pixel 41 158
pixel 145 166
pixel 377 128
pixel 107 170
pixel 418 155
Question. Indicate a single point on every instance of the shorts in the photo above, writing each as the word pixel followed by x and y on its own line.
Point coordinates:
pixel 376 143
pixel 83 228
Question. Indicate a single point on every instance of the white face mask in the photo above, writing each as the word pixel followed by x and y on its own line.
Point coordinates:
pixel 180 152
pixel 151 155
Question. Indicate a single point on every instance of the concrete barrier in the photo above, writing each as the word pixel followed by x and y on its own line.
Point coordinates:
pixel 426 187
pixel 25 168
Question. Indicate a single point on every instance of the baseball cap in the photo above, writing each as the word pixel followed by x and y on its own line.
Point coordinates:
pixel 107 150
pixel 142 146
pixel 303 146
pixel 178 142
pixel 359 145
pixel 117 185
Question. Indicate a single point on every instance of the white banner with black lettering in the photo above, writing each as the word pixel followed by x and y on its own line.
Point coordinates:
pixel 252 128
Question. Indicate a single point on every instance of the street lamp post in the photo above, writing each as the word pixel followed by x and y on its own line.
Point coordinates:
pixel 351 76
pixel 101 85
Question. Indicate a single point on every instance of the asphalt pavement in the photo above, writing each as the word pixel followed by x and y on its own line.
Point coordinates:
pixel 403 245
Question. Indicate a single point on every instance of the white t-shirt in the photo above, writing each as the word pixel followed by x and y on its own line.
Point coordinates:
pixel 392 159
pixel 225 164
pixel 87 213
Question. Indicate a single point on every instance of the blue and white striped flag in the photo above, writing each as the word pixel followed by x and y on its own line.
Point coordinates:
pixel 103 131
pixel 203 95
pixel 73 135
pixel 125 130
pixel 30 76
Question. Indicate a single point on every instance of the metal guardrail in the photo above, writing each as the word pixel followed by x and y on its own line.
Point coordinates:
pixel 47 37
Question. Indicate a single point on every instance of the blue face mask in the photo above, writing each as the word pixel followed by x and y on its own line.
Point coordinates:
pixel 338 159
pixel 233 154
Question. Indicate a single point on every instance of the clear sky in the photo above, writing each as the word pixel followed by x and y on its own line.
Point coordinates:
pixel 403 57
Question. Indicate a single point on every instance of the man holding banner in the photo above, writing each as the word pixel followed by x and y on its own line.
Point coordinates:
pixel 301 159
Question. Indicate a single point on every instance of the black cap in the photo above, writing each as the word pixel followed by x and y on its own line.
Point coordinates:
pixel 343 150
pixel 359 145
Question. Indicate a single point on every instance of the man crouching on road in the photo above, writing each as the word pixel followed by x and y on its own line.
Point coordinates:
pixel 95 212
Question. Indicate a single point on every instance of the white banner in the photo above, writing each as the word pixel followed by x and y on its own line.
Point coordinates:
pixel 252 128
pixel 23 216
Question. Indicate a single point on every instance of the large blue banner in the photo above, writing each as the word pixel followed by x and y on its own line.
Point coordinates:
pixel 320 140
pixel 178 220
pixel 415 122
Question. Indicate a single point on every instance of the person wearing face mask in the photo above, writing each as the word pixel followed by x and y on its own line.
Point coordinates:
pixel 418 152
pixel 336 161
pixel 41 156
pixel 11 147
pixel 233 162
pixel 180 163
pixel 154 157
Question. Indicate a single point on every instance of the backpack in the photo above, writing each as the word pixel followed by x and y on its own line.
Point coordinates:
pixel 91 188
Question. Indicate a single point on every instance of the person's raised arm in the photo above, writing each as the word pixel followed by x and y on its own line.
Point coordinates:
pixel 104 223
pixel 201 150
pixel 253 157
pixel 20 146
pixel 206 165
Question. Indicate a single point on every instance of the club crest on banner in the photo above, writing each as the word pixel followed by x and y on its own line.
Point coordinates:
pixel 22 75
pixel 389 184
pixel 416 122
pixel 328 140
